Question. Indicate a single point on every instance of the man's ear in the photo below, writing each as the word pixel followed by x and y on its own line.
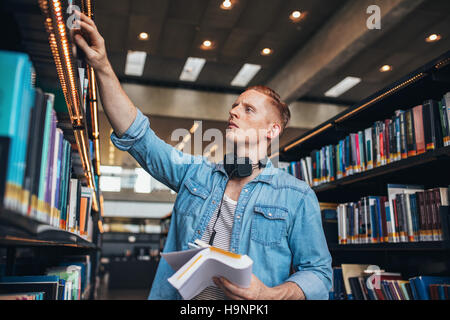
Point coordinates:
pixel 274 131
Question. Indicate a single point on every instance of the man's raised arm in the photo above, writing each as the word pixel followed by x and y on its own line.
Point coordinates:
pixel 118 107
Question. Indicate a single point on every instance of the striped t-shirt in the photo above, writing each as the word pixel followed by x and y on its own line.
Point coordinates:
pixel 222 240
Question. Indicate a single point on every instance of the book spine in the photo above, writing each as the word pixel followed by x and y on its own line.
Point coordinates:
pixel 410 137
pixel 444 123
pixel 395 224
pixel 437 204
pixel 418 129
pixel 403 135
pixel 398 138
pixel 409 219
pixel 422 219
pixel 369 148
pixel 386 142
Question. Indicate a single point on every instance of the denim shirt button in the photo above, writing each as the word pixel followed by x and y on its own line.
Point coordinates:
pixel 238 217
pixel 246 190
pixel 270 214
pixel 199 232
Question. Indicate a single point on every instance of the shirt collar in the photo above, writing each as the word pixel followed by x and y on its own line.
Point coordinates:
pixel 265 176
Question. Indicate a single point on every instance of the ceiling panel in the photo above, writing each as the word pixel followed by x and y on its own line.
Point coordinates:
pixel 114 29
pixel 187 12
pixel 176 40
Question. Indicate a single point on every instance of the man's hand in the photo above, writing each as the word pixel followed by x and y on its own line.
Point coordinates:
pixel 259 291
pixel 91 42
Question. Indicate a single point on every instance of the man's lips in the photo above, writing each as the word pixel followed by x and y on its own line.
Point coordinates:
pixel 231 124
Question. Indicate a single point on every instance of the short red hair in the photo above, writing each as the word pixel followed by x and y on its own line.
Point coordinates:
pixel 282 107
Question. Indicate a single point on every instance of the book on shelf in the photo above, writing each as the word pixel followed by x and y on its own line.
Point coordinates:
pixel 68 280
pixel 195 268
pixel 36 159
pixel 406 134
pixel 20 284
pixel 16 105
pixel 23 296
pixel 408 214
pixel 359 282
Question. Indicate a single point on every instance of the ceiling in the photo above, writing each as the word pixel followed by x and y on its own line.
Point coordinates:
pixel 177 29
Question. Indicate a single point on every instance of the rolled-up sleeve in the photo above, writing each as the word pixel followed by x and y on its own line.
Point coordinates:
pixel 311 258
pixel 164 162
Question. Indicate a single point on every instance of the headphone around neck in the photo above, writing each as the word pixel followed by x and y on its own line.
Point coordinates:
pixel 241 167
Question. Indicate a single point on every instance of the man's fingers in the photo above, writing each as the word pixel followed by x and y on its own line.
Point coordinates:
pixel 85 18
pixel 89 30
pixel 79 40
pixel 232 287
pixel 227 292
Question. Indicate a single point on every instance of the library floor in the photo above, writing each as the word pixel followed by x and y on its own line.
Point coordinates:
pixel 125 295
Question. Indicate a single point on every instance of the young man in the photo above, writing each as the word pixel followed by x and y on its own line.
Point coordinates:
pixel 269 215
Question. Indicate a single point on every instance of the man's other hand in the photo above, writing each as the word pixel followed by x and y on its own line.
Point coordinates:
pixel 256 291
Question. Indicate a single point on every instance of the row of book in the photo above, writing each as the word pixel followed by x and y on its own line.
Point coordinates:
pixel 36 163
pixel 364 282
pixel 67 281
pixel 408 133
pixel 408 214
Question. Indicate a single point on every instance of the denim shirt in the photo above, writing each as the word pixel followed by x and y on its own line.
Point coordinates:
pixel 277 222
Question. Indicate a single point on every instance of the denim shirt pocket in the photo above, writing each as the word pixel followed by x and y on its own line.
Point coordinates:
pixel 192 199
pixel 269 225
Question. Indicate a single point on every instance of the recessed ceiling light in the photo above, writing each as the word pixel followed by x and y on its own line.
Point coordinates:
pixel 342 87
pixel 226 5
pixel 433 38
pixel 143 36
pixel 207 44
pixel 245 75
pixel 135 63
pixel 266 51
pixel 386 68
pixel 192 69
pixel 296 16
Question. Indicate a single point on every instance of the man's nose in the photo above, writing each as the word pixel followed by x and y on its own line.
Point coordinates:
pixel 234 113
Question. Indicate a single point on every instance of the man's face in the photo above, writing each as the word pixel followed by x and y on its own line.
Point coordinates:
pixel 253 119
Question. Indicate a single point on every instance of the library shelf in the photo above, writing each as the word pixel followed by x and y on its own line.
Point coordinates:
pixel 427 82
pixel 19 230
pixel 402 165
pixel 404 246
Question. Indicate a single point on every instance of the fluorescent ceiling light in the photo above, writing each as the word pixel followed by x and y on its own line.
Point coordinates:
pixel 245 75
pixel 192 69
pixel 135 63
pixel 342 87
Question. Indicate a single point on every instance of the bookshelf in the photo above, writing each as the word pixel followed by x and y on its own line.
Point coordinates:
pixel 431 81
pixel 18 230
pixel 429 169
pixel 23 236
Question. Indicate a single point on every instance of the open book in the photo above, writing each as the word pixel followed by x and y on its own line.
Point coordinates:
pixel 195 268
